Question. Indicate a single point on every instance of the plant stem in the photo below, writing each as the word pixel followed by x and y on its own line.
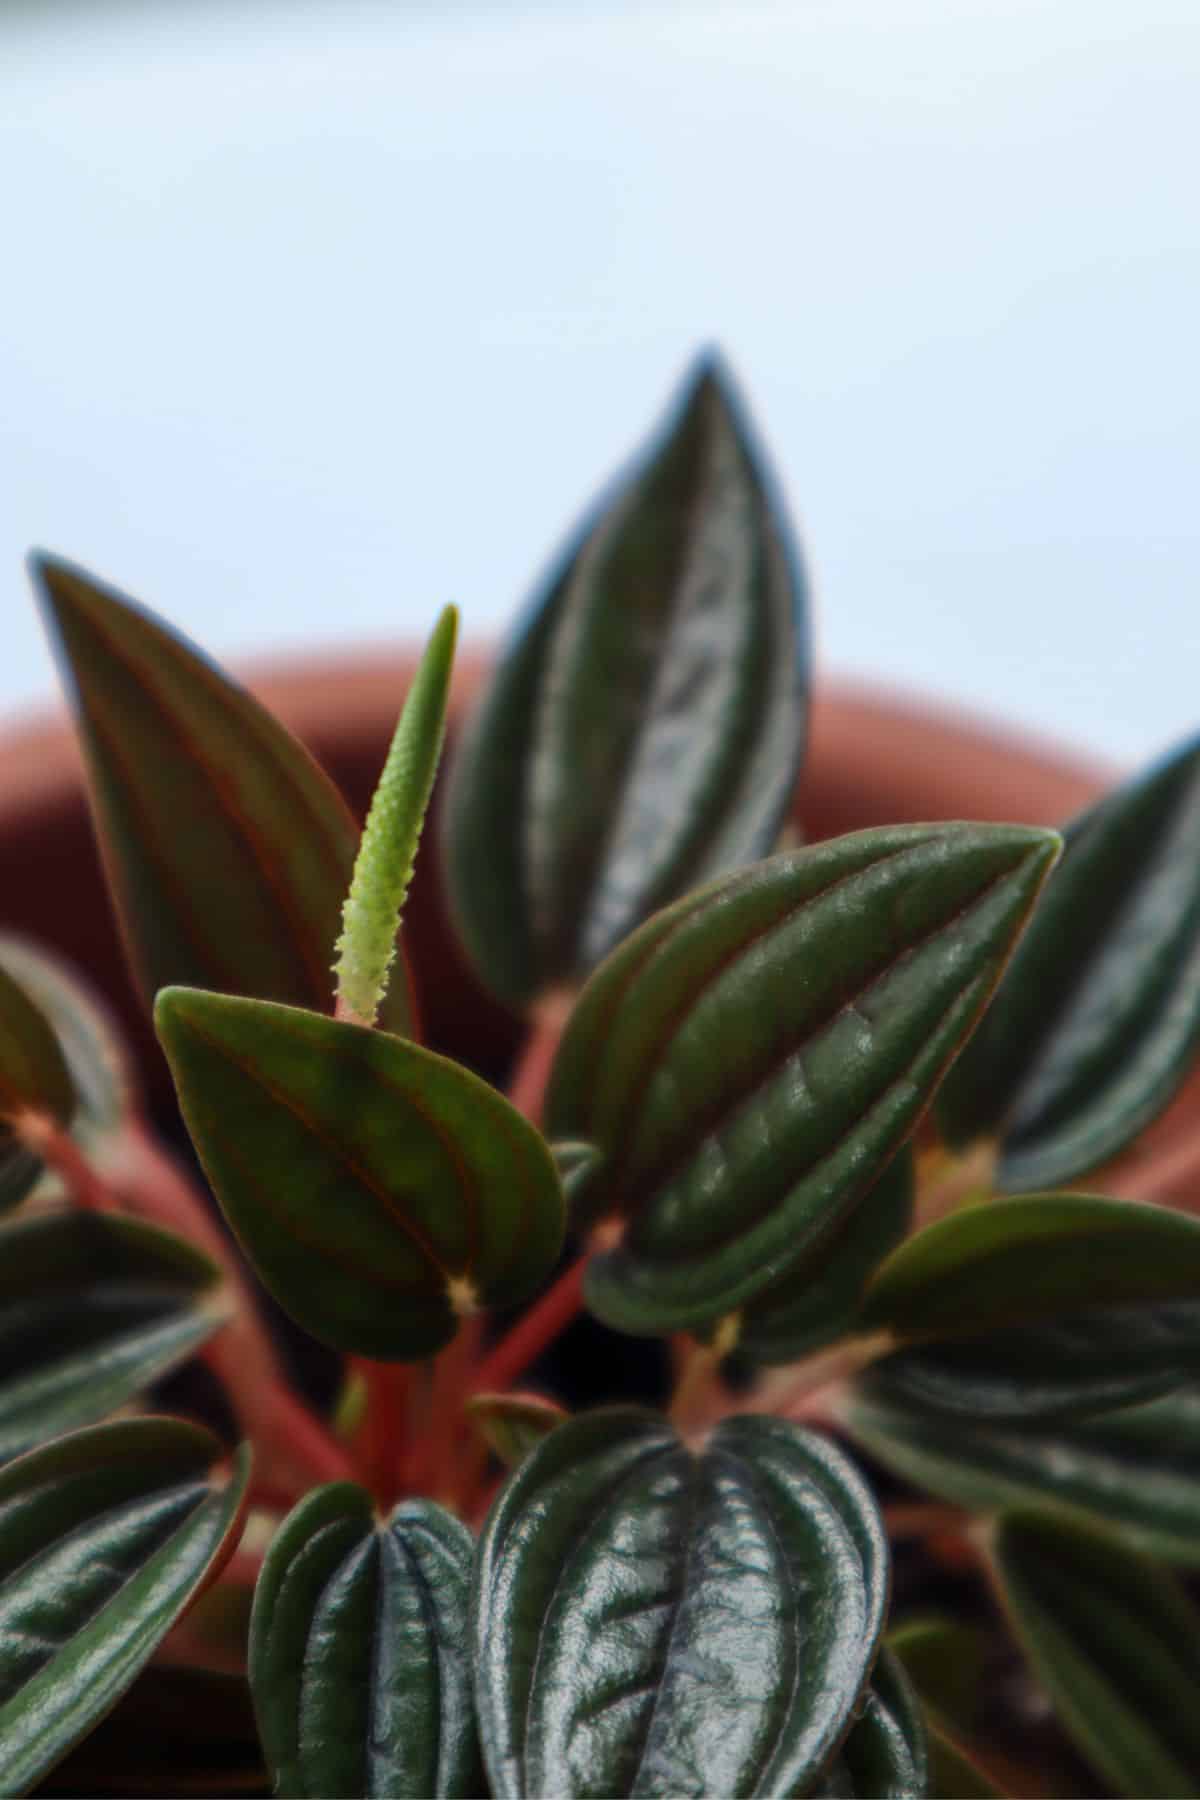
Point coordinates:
pixel 527 1089
pixel 945 1180
pixel 788 1390
pixel 692 1405
pixel 59 1151
pixel 452 1379
pixel 530 1335
pixel 380 1441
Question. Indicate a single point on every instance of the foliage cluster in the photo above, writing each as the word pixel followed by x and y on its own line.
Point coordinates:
pixel 846 1133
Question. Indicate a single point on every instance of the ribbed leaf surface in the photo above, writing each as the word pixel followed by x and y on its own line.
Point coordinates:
pixel 1047 1304
pixel 885 1756
pixel 652 1620
pixel 751 1060
pixel 644 730
pixel 375 1186
pixel 359 1657
pixel 1098 1019
pixel 106 1536
pixel 228 850
pixel 1138 1468
pixel 92 1310
pixel 1115 1642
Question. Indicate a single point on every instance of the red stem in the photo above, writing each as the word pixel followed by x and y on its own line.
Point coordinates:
pixel 530 1336
pixel 59 1151
pixel 527 1089
pixel 379 1444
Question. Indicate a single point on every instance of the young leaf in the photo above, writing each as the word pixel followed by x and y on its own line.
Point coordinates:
pixel 1114 1641
pixel 946 1662
pixel 643 732
pixel 1043 1305
pixel 655 1620
pixel 388 851
pixel 93 1308
pixel 359 1657
pixel 511 1425
pixel 229 852
pixel 821 1302
pixel 1138 1468
pixel 33 1079
pixel 1097 1021
pixel 106 1537
pixel 751 1059
pixel 885 1755
pixel 379 1190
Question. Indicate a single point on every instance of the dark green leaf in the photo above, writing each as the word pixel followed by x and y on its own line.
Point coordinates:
pixel 228 850
pixel 1047 1304
pixel 33 1079
pixel 577 1165
pixel 751 1060
pixel 93 1308
pixel 1115 1642
pixel 954 1774
pixel 378 1189
pixel 106 1537
pixel 178 1730
pixel 359 1657
pixel 1139 1468
pixel 1098 1018
pixel 821 1302
pixel 643 732
pixel 651 1619
pixel 87 1038
pixel 884 1756
pixel 514 1424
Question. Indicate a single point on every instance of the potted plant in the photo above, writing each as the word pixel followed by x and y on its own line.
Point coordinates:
pixel 830 1138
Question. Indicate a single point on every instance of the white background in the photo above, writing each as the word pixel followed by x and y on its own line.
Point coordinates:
pixel 313 317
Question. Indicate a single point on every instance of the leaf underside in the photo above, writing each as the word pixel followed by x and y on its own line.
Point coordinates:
pixel 643 731
pixel 650 1620
pixel 750 1061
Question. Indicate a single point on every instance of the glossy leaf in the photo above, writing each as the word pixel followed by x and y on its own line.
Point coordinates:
pixel 885 1756
pixel 379 1190
pixel 93 1308
pixel 229 852
pixel 1116 1644
pixel 33 1079
pixel 359 1651
pixel 651 1619
pixel 1138 1468
pixel 387 853
pixel 751 1060
pixel 512 1425
pixel 106 1536
pixel 1047 1304
pixel 821 1302
pixel 1098 1019
pixel 643 731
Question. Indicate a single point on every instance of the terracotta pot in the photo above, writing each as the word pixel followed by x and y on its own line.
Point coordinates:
pixel 874 758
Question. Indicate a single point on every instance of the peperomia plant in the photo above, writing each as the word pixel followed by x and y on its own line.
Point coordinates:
pixel 828 1128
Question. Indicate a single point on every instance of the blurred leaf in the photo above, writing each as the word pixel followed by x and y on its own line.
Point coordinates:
pixel 577 1165
pixel 512 1425
pixel 177 1731
pixel 1098 1019
pixel 751 1060
pixel 953 1773
pixel 1048 1304
pixel 885 1756
pixel 376 1188
pixel 87 1037
pixel 945 1660
pixel 106 1537
pixel 821 1302
pixel 359 1656
pixel 388 850
pixel 93 1308
pixel 651 1619
pixel 229 852
pixel 1114 1641
pixel 1138 1468
pixel 644 730
pixel 33 1079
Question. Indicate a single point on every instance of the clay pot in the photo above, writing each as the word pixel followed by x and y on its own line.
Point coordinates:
pixel 874 758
